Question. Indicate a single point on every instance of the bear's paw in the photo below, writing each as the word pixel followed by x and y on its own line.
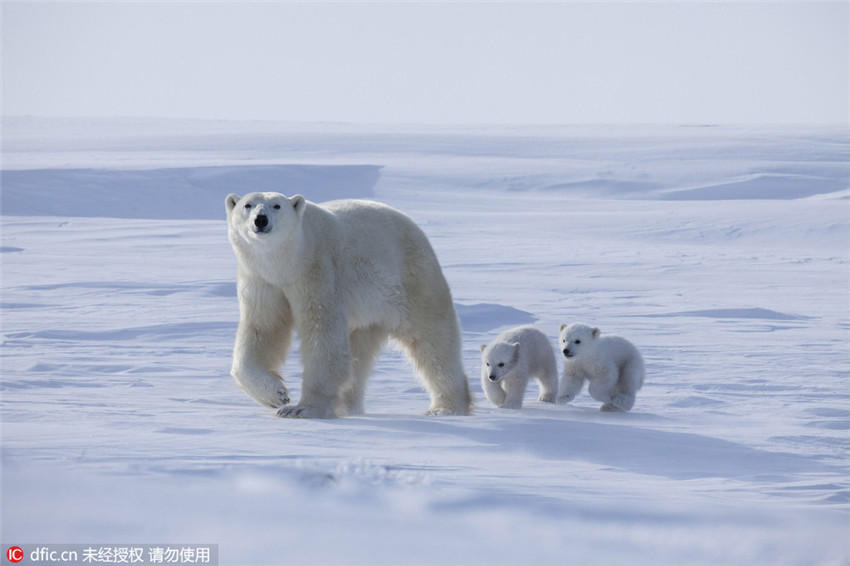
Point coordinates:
pixel 302 412
pixel 566 398
pixel 277 398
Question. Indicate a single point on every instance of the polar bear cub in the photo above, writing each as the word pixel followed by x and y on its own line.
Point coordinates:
pixel 611 364
pixel 511 360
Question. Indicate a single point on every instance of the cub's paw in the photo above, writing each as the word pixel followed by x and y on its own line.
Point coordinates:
pixel 546 398
pixel 623 402
pixel 563 399
pixel 610 408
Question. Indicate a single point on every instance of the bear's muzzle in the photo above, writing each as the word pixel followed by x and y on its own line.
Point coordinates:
pixel 261 223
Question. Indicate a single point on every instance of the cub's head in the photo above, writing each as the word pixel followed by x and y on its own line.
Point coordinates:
pixel 577 338
pixel 499 359
pixel 261 216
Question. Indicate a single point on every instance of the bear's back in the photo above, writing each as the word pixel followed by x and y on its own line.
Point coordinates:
pixel 525 335
pixel 372 229
pixel 617 348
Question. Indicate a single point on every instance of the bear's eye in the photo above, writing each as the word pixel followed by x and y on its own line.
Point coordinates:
pixel 488 364
pixel 578 341
pixel 501 364
pixel 276 207
pixel 248 205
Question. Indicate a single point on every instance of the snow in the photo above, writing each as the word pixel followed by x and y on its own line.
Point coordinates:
pixel 723 253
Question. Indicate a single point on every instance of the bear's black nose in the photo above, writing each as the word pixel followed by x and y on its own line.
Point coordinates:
pixel 567 352
pixel 261 221
pixel 493 378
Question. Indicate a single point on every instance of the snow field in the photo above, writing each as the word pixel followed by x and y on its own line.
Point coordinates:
pixel 120 423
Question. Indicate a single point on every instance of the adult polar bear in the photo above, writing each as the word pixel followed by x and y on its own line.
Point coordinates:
pixel 346 275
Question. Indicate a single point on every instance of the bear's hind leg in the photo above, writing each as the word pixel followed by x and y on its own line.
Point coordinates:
pixel 435 353
pixel 620 402
pixel 630 380
pixel 548 380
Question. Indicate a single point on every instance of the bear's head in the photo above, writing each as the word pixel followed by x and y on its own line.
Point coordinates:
pixel 576 338
pixel 263 216
pixel 499 359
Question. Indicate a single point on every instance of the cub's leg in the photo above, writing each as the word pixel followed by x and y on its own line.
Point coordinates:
pixel 548 379
pixel 571 386
pixel 514 391
pixel 630 380
pixel 603 387
pixel 620 402
pixel 494 391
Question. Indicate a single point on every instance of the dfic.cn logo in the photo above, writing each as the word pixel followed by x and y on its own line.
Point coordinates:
pixel 15 554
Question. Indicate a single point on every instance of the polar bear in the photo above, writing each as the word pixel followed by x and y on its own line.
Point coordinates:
pixel 508 362
pixel 611 364
pixel 346 275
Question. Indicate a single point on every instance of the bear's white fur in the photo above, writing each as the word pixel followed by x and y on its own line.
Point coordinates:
pixel 612 365
pixel 511 360
pixel 346 275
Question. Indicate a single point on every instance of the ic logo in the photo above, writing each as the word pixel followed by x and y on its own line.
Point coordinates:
pixel 15 554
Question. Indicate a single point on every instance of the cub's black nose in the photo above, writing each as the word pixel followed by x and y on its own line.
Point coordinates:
pixel 567 352
pixel 261 221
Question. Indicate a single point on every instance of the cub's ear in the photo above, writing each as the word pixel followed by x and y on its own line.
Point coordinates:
pixel 595 332
pixel 298 203
pixel 516 349
pixel 483 347
pixel 231 201
pixel 563 326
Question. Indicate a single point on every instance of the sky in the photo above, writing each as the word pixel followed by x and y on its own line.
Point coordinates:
pixel 430 63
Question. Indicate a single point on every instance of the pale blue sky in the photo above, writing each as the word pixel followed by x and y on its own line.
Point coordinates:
pixel 451 63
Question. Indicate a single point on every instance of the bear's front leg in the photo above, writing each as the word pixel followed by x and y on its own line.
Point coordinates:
pixel 493 390
pixel 262 342
pixel 571 385
pixel 514 392
pixel 262 384
pixel 327 365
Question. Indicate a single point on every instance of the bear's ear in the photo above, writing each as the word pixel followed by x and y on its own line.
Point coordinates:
pixel 595 332
pixel 563 326
pixel 298 203
pixel 231 201
pixel 516 349
pixel 483 347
